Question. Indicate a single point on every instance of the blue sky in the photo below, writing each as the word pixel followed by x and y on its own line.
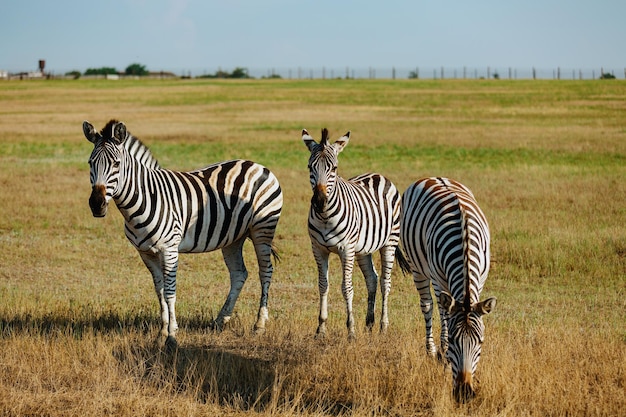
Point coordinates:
pixel 198 36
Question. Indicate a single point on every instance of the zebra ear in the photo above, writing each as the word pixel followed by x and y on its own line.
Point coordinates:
pixel 119 133
pixel 446 301
pixel 89 132
pixel 308 140
pixel 341 142
pixel 485 307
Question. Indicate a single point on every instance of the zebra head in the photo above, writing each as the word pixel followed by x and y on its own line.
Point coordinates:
pixel 104 163
pixel 466 333
pixel 323 166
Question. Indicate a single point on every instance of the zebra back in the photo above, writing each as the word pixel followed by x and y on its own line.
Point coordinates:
pixel 446 236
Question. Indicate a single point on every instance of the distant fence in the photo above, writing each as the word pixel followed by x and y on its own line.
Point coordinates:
pixel 423 73
pixel 301 73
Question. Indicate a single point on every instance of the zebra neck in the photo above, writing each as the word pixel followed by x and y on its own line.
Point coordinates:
pixel 136 190
pixel 334 204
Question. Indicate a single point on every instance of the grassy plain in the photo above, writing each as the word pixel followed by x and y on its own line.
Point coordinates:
pixel 78 316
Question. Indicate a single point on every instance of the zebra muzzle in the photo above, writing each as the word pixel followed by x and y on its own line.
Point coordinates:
pixel 97 201
pixel 319 199
pixel 463 389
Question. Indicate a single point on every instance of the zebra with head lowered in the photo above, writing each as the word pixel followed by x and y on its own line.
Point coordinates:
pixel 352 218
pixel 446 239
pixel 168 212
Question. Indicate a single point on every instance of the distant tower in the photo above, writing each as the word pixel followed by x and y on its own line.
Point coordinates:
pixel 42 65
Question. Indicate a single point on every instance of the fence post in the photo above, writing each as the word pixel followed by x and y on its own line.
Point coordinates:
pixel 534 73
pixel 393 73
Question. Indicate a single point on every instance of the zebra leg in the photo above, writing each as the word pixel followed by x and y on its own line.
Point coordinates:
pixel 264 259
pixel 347 264
pixel 443 314
pixel 321 258
pixel 371 282
pixel 233 257
pixel 387 256
pixel 426 304
pixel 163 266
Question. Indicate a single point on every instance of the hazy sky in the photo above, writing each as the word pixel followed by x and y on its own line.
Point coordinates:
pixel 201 35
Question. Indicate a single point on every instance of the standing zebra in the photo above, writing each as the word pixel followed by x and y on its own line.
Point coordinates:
pixel 352 218
pixel 446 239
pixel 168 212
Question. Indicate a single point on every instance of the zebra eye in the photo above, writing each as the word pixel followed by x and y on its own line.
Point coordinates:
pixel 334 168
pixel 116 164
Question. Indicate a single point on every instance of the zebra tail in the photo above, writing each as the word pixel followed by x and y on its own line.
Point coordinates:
pixel 275 254
pixel 404 265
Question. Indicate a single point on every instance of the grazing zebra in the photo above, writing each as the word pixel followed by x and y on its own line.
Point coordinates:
pixel 168 212
pixel 446 239
pixel 352 218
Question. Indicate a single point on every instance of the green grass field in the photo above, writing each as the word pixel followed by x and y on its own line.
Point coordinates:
pixel 546 161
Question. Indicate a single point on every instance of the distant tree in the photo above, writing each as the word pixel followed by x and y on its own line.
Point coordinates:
pixel 607 76
pixel 237 73
pixel 101 71
pixel 136 69
pixel 496 76
pixel 74 74
pixel 413 75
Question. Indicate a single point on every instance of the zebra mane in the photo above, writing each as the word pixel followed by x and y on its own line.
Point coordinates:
pixel 141 152
pixel 324 140
pixel 465 236
pixel 107 130
pixel 134 146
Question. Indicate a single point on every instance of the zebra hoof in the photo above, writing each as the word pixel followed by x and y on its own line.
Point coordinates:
pixel 259 330
pixel 441 357
pixel 351 336
pixel 171 345
pixel 216 326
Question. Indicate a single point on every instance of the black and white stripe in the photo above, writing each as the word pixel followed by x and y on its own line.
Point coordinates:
pixel 352 218
pixel 445 236
pixel 168 212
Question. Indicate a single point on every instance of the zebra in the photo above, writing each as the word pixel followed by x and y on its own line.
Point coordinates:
pixel 352 218
pixel 445 237
pixel 169 212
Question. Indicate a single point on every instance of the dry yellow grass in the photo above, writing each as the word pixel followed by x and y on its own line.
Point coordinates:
pixel 78 317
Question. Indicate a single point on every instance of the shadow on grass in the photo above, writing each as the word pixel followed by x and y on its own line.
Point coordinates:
pixel 235 369
pixel 211 374
pixel 79 321
pixel 75 322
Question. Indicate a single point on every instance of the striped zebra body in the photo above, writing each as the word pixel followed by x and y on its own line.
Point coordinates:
pixel 353 218
pixel 445 236
pixel 169 212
